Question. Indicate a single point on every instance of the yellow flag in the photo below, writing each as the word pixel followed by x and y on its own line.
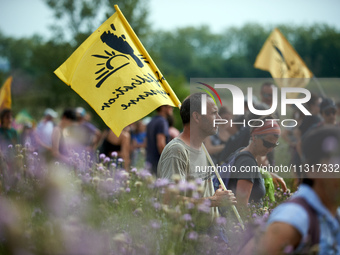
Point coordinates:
pixel 279 58
pixel 5 94
pixel 113 72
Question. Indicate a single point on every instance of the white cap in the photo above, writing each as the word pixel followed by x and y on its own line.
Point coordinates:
pixel 51 112
pixel 80 111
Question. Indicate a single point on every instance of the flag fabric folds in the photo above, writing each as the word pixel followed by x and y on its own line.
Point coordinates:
pixel 113 72
pixel 279 58
pixel 5 94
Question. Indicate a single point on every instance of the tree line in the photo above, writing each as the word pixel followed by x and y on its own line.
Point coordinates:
pixel 181 54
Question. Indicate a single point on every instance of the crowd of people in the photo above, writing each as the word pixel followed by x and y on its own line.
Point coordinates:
pixel 58 137
pixel 154 143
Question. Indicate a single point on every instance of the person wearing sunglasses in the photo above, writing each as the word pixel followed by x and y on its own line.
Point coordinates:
pixel 247 182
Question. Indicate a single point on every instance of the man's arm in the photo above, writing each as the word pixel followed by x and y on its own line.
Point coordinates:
pixel 161 142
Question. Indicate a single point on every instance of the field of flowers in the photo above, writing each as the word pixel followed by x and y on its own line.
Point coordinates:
pixel 96 207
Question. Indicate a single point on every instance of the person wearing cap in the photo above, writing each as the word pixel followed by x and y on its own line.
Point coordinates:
pixel 312 225
pixel 43 133
pixel 249 185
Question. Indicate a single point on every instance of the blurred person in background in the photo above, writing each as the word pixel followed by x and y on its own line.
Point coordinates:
pixel 61 140
pixel 309 222
pixel 157 136
pixel 173 132
pixel 328 111
pixel 87 134
pixel 119 144
pixel 8 135
pixel 313 106
pixel 138 144
pixel 44 130
pixel 338 112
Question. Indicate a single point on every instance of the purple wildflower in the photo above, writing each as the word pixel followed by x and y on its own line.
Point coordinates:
pixel 189 205
pixel 182 185
pixel 155 224
pixel 127 190
pixel 205 206
pixel 120 160
pixel 144 174
pixel 35 153
pixel 114 154
pixel 221 221
pixel 10 146
pixel 157 205
pixel 161 182
pixel 102 156
pixel 192 235
pixel 191 186
pixel 106 160
pixel 199 181
pixel 186 217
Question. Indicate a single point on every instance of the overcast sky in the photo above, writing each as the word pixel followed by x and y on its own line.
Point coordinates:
pixel 21 18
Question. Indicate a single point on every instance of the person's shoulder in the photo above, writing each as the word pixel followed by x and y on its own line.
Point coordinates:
pixel 292 214
pixel 242 156
pixel 176 144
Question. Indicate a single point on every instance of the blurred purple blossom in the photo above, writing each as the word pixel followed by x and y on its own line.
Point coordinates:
pixel 221 221
pixel 192 235
pixel 187 217
pixel 155 224
pixel 161 182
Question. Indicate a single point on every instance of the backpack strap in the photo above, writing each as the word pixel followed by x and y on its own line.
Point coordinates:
pixel 225 176
pixel 314 226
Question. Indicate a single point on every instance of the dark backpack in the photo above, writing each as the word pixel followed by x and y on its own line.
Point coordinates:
pixel 225 175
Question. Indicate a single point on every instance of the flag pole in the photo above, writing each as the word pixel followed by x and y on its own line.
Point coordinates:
pixel 223 185
pixel 146 54
pixel 319 86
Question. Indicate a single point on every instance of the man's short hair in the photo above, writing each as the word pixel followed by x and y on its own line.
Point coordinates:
pixel 70 114
pixel 191 104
